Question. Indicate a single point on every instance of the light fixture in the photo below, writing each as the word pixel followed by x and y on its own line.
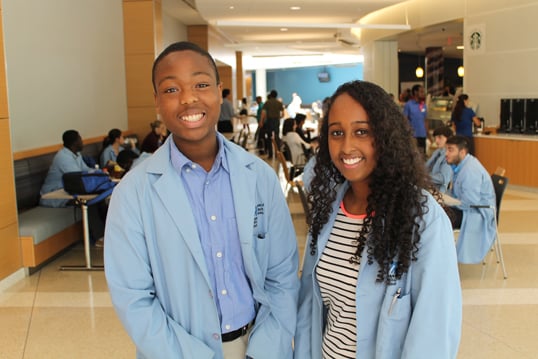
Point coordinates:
pixel 419 72
pixel 461 71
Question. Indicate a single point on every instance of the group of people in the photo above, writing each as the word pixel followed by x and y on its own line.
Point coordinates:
pixel 462 120
pixel 115 151
pixel 201 254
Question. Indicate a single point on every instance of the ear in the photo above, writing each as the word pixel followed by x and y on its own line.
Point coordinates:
pixel 219 89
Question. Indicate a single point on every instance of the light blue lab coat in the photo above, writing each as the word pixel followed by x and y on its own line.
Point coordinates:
pixel 156 271
pixel 472 185
pixel 425 322
pixel 440 171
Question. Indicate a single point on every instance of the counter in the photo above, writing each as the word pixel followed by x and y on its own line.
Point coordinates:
pixel 518 154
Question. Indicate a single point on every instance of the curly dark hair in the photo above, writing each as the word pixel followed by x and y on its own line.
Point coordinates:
pixel 396 203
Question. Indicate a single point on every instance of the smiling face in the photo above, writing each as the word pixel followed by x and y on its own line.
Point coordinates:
pixel 188 97
pixel 351 143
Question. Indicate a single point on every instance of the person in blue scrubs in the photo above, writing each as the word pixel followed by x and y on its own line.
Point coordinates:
pixel 380 277
pixel 440 170
pixel 415 112
pixel 200 250
pixel 472 185
pixel 463 117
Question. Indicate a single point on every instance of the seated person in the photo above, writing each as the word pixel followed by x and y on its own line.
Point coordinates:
pixel 294 142
pixel 299 122
pixel 471 185
pixel 128 159
pixel 155 138
pixel 112 145
pixel 68 159
pixel 440 170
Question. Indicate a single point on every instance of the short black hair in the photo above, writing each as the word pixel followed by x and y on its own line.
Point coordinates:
pixel 460 141
pixel 273 94
pixel 443 131
pixel 225 93
pixel 182 46
pixel 70 137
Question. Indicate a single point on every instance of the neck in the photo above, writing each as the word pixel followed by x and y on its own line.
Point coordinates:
pixel 201 153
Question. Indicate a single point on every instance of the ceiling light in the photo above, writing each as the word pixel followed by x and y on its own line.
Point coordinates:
pixel 232 7
pixel 460 47
pixel 419 72
pixel 312 25
pixel 283 29
pixel 295 8
pixel 461 71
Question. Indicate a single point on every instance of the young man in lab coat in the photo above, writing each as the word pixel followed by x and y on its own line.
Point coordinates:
pixel 200 250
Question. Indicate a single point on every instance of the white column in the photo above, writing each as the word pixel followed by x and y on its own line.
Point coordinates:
pixel 381 64
pixel 261 84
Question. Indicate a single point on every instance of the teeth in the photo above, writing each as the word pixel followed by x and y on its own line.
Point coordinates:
pixel 352 161
pixel 192 118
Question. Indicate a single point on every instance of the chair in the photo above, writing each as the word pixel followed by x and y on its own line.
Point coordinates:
pixel 304 200
pixel 499 185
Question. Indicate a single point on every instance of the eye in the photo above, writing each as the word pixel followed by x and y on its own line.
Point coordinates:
pixel 170 90
pixel 336 133
pixel 202 85
pixel 362 132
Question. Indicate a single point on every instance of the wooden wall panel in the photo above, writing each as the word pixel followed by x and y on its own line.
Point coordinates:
pixel 198 34
pixel 138 80
pixel 8 207
pixel 138 27
pixel 517 156
pixel 226 77
pixel 10 250
pixel 141 117
pixel 4 113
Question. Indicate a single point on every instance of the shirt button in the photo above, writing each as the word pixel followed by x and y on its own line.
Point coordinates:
pixel 219 254
pixel 216 336
pixel 207 183
pixel 193 166
pixel 213 218
pixel 227 326
pixel 224 292
pixel 188 170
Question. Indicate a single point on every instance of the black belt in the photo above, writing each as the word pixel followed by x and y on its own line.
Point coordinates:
pixel 230 336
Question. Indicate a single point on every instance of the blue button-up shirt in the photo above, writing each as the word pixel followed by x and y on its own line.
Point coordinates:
pixel 211 200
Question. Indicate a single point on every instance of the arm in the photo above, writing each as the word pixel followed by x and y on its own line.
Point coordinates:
pixel 435 325
pixel 130 278
pixel 276 318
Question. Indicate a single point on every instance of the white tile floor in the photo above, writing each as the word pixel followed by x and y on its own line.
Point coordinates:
pixel 57 314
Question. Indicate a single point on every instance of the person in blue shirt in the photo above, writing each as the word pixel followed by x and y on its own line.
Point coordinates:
pixel 68 159
pixel 440 170
pixel 471 185
pixel 415 111
pixel 463 117
pixel 200 250
pixel 380 277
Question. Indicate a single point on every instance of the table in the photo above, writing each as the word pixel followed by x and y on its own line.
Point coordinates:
pixel 81 201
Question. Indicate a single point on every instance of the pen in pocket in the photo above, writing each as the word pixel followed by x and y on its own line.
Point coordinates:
pixel 394 299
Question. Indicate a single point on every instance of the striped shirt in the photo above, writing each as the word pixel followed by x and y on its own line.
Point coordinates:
pixel 337 279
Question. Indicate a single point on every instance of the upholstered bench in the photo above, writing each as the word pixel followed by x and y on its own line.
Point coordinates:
pixel 45 232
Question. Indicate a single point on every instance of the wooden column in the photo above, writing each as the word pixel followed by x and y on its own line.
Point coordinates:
pixel 142 29
pixel 239 76
pixel 10 248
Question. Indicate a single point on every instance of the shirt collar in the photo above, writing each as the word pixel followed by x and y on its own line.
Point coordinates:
pixel 179 160
pixel 458 167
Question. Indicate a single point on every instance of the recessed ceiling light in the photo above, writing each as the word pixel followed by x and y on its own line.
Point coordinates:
pixel 232 7
pixel 460 47
pixel 295 8
pixel 283 29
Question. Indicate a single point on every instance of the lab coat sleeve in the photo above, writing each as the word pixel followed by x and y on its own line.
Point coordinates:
pixel 443 176
pixel 435 325
pixel 276 319
pixel 132 289
pixel 303 334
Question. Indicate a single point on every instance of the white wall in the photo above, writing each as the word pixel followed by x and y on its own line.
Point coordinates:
pixel 173 30
pixel 65 69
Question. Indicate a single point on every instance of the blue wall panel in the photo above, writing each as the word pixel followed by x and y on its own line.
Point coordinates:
pixel 305 81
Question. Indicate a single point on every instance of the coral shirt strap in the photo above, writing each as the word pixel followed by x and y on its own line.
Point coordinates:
pixel 350 215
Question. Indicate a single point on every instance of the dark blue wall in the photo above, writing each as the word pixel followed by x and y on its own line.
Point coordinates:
pixel 305 81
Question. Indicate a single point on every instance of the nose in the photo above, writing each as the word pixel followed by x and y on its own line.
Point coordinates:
pixel 188 97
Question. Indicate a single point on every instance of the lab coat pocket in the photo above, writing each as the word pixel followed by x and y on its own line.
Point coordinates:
pixel 393 323
pixel 261 250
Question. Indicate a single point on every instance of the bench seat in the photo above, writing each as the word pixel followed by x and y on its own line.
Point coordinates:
pixel 46 231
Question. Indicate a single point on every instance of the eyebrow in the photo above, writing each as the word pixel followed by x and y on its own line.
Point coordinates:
pixel 197 73
pixel 354 122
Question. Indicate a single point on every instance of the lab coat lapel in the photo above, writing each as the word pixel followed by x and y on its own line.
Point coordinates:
pixel 171 192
